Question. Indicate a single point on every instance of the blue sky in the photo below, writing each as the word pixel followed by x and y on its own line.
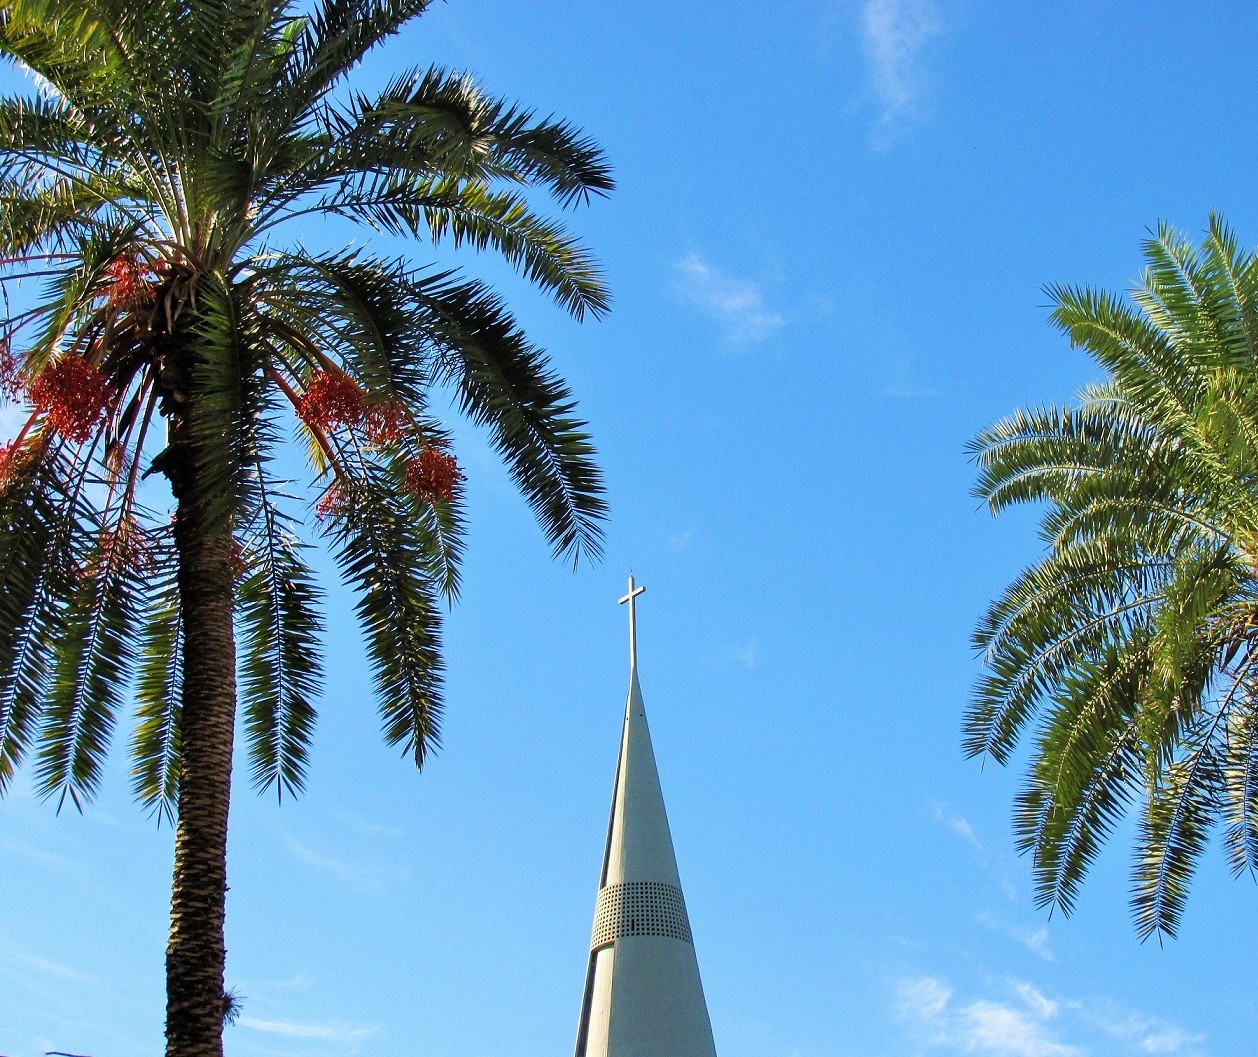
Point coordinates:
pixel 828 250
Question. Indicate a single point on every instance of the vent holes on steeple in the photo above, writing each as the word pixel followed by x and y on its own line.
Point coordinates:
pixel 639 908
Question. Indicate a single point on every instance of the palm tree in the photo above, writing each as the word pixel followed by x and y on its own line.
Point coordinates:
pixel 1131 646
pixel 155 186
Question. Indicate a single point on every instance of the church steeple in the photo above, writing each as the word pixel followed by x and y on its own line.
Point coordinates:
pixel 643 995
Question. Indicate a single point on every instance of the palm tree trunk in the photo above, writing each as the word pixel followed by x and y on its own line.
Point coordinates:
pixel 196 952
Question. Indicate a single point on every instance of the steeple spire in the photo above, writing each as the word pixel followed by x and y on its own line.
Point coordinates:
pixel 643 994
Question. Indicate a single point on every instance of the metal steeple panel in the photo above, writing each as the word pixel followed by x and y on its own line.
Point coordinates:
pixel 643 994
pixel 639 845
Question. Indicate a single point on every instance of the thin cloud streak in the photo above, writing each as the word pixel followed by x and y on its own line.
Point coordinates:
pixel 1145 1034
pixel 737 304
pixel 950 820
pixel 360 875
pixel 895 32
pixel 367 827
pixel 33 963
pixel 680 540
pixel 337 1033
pixel 1033 938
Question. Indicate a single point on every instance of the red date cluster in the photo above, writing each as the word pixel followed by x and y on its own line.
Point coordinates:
pixel 13 460
pixel 10 383
pixel 127 282
pixel 332 399
pixel 126 547
pixel 384 423
pixel 332 503
pixel 433 475
pixel 73 396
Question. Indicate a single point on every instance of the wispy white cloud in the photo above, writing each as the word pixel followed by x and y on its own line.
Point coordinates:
pixel 1170 1040
pixel 15 957
pixel 748 655
pixel 1036 941
pixel 35 853
pixel 356 873
pixel 1144 1034
pixel 1018 1028
pixel 1033 937
pixel 895 32
pixel 1024 1022
pixel 680 540
pixel 922 999
pixel 368 827
pixel 1035 1000
pixel 737 304
pixel 334 1033
pixel 950 820
pixel 1003 1029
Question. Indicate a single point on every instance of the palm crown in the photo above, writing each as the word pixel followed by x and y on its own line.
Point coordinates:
pixel 150 188
pixel 157 184
pixel 1133 643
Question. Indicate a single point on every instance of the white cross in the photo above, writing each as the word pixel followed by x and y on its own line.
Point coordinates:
pixel 632 599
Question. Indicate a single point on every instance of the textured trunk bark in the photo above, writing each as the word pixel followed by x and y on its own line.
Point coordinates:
pixel 196 952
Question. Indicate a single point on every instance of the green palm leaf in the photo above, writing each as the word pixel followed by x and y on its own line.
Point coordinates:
pixel 153 187
pixel 1130 641
pixel 398 609
pixel 95 652
pixel 281 666
pixel 155 748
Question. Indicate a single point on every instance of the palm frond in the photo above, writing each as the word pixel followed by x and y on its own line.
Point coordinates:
pixel 280 666
pixel 1130 645
pixel 1179 812
pixel 397 607
pixel 94 655
pixel 505 384
pixel 1240 773
pixel 332 41
pixel 155 743
pixel 1085 774
pixel 42 519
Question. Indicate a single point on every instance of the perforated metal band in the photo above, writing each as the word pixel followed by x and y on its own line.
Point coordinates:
pixel 639 908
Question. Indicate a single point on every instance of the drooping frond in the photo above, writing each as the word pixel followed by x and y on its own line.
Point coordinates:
pixel 1240 775
pixel 155 744
pixel 94 654
pixel 1179 813
pixel 281 667
pixel 149 185
pixel 1129 647
pixel 1085 774
pixel 505 384
pixel 43 518
pixel 472 214
pixel 397 606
